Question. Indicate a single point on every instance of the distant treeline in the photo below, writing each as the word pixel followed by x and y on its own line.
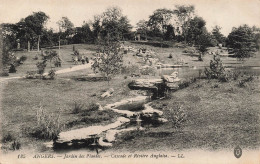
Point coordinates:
pixel 180 24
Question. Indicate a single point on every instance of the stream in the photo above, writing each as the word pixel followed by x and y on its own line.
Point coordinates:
pixel 136 113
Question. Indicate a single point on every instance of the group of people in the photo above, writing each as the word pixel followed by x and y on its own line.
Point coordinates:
pixel 83 59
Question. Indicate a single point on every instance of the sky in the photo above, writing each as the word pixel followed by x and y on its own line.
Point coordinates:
pixel 224 13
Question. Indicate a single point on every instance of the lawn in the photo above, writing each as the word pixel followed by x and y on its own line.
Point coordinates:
pixel 219 115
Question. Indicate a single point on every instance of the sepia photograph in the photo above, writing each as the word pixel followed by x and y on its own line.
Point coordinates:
pixel 129 81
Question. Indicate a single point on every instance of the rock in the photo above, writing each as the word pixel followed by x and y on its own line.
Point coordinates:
pixel 171 79
pixel 103 144
pixel 110 135
pixel 108 93
pixel 87 133
pixel 129 102
pixel 162 120
pixel 146 83
pixel 148 110
pixel 172 86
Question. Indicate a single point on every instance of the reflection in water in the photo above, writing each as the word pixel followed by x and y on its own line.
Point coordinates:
pixel 250 66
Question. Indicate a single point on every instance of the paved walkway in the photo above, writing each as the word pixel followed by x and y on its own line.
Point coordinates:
pixel 66 70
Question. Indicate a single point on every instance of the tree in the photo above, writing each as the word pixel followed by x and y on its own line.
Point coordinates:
pixel 141 27
pixel 218 35
pixel 83 34
pixel 111 25
pixel 110 62
pixel 65 26
pixel 159 21
pixel 202 43
pixel 195 29
pixel 31 28
pixel 184 15
pixel 242 41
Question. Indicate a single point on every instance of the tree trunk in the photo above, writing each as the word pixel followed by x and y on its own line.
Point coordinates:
pixel 28 46
pixel 38 45
pixel 59 45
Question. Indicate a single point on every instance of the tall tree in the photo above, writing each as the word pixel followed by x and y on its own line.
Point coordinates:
pixel 195 29
pixel 141 27
pixel 32 27
pixel 159 20
pixel 242 40
pixel 65 26
pixel 111 25
pixel 220 38
pixel 184 15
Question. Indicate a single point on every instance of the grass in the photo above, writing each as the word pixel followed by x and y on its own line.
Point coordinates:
pixel 217 118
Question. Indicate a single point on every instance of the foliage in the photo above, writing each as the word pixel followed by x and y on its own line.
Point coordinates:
pixel 110 62
pixel 220 38
pixel 41 67
pixel 203 42
pixel 30 28
pixel 83 35
pixel 12 68
pixel 216 69
pixel 111 25
pixel 195 29
pixel 184 15
pixel 130 69
pixel 176 116
pixel 77 108
pixel 48 125
pixel 142 28
pixel 241 39
pixel 52 74
pixel 159 21
pixel 148 71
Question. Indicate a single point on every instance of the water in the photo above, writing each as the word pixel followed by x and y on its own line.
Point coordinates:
pixel 249 66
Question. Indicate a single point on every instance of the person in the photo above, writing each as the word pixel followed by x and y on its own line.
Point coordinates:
pixel 86 59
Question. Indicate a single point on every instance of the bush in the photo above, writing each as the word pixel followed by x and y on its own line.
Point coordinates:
pixel 12 69
pixel 91 107
pixel 52 74
pixel 48 125
pixel 77 108
pixel 41 67
pixel 8 138
pixel 176 116
pixel 4 74
pixel 148 71
pixel 216 69
pixel 170 56
pixel 22 59
pixel 16 145
pixel 129 69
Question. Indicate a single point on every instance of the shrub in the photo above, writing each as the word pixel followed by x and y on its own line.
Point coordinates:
pixel 187 83
pixel 77 108
pixel 170 56
pixel 242 82
pixel 93 106
pixel 22 59
pixel 7 138
pixel 52 74
pixel 48 125
pixel 148 71
pixel 129 69
pixel 12 68
pixel 4 73
pixel 216 69
pixel 176 116
pixel 16 145
pixel 41 67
